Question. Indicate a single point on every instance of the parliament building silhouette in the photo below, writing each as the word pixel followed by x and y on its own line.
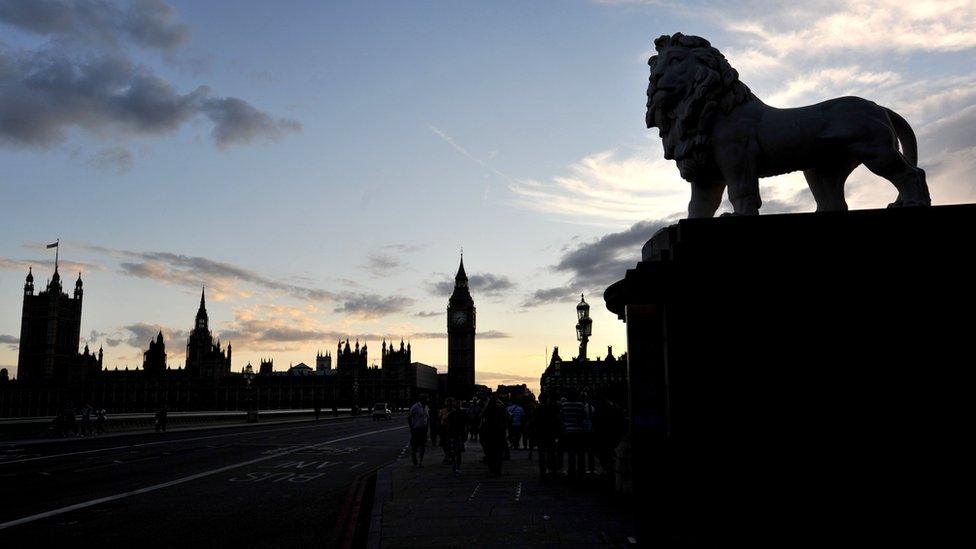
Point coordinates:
pixel 53 374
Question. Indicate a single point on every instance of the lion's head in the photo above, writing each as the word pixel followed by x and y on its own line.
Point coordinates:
pixel 690 82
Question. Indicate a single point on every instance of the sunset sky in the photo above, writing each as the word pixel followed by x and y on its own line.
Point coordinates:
pixel 319 165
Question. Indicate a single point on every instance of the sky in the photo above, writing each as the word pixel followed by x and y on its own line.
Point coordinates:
pixel 319 166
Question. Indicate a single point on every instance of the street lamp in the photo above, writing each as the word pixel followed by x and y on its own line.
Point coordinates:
pixel 584 327
pixel 252 415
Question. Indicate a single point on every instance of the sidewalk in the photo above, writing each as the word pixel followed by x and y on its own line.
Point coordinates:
pixel 432 507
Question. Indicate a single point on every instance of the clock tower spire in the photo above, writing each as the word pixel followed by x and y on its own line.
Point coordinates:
pixel 460 337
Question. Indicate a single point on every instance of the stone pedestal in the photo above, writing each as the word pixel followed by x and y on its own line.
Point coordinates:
pixel 803 377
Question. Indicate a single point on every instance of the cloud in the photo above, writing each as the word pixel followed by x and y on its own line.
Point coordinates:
pixel 382 264
pixel 9 340
pixel 598 263
pixel 44 94
pixel 546 296
pixel 490 334
pixel 138 335
pixel 146 23
pixel 371 305
pixel 236 122
pixel 874 26
pixel 488 284
pixel 8 264
pixel 504 378
pixel 608 187
pixel 221 277
pixel 116 159
pixel 428 314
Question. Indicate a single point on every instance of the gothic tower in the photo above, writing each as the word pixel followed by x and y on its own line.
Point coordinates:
pixel 50 332
pixel 460 337
pixel 204 358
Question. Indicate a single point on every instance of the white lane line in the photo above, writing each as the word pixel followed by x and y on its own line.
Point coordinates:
pixel 166 442
pixel 196 476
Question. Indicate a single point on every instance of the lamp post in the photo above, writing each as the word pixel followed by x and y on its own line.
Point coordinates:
pixel 252 414
pixel 584 326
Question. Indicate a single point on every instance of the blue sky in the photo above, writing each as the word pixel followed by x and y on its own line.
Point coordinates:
pixel 323 182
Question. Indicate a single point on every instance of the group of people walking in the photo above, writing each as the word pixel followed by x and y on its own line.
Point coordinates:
pixel 92 421
pixel 571 432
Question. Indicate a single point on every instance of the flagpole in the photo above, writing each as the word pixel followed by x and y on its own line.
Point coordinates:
pixel 57 250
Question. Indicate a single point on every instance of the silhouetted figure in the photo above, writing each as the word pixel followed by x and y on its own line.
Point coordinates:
pixel 493 427
pixel 571 415
pixel 449 405
pixel 457 420
pixel 318 412
pixel 335 410
pixel 86 420
pixel 527 441
pixel 161 420
pixel 474 418
pixel 587 440
pixel 70 421
pixel 545 429
pixel 516 415
pixel 417 419
pixel 434 425
pixel 609 425
pixel 100 421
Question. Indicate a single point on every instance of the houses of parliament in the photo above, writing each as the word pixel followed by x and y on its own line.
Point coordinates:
pixel 52 372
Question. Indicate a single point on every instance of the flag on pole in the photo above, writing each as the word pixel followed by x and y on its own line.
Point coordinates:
pixel 55 245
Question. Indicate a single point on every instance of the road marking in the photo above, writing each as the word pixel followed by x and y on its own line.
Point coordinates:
pixel 160 486
pixel 167 442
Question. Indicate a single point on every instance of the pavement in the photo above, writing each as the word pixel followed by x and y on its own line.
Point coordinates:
pixel 433 507
pixel 283 485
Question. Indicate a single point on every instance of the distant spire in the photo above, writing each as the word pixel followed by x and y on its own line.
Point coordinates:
pixel 203 298
pixel 30 274
pixel 461 278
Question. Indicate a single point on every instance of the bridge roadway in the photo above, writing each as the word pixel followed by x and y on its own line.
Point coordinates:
pixel 289 485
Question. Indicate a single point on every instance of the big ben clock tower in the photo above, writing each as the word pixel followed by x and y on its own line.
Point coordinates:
pixel 460 338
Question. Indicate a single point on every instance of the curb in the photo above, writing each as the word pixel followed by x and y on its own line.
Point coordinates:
pixel 382 493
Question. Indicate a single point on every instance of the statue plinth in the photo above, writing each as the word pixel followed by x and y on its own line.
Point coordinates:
pixel 803 376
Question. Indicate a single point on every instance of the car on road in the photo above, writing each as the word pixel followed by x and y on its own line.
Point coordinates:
pixel 381 411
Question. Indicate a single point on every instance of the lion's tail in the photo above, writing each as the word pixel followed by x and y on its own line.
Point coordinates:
pixel 909 145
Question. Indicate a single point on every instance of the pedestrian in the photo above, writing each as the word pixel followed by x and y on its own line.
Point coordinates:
pixel 100 421
pixel 588 439
pixel 515 414
pixel 457 420
pixel 86 421
pixel 609 425
pixel 161 419
pixel 527 442
pixel 70 420
pixel 494 423
pixel 545 428
pixel 318 411
pixel 417 419
pixel 474 418
pixel 449 404
pixel 434 425
pixel 571 415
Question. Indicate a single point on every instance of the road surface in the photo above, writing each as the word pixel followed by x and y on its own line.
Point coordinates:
pixel 296 484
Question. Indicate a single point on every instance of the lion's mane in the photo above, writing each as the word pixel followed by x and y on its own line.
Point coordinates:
pixel 685 125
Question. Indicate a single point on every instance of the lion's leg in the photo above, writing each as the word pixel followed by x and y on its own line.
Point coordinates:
pixel 744 195
pixel 705 199
pixel 827 184
pixel 887 162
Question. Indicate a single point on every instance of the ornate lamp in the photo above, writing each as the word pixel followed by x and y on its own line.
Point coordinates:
pixel 584 327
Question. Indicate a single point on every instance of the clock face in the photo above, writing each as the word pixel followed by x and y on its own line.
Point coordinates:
pixel 459 318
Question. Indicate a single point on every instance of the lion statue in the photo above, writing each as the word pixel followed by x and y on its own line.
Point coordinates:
pixel 721 135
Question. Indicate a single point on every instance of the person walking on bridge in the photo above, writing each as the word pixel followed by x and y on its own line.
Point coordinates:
pixel 417 419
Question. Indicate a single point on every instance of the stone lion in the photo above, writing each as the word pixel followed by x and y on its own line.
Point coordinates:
pixel 721 135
